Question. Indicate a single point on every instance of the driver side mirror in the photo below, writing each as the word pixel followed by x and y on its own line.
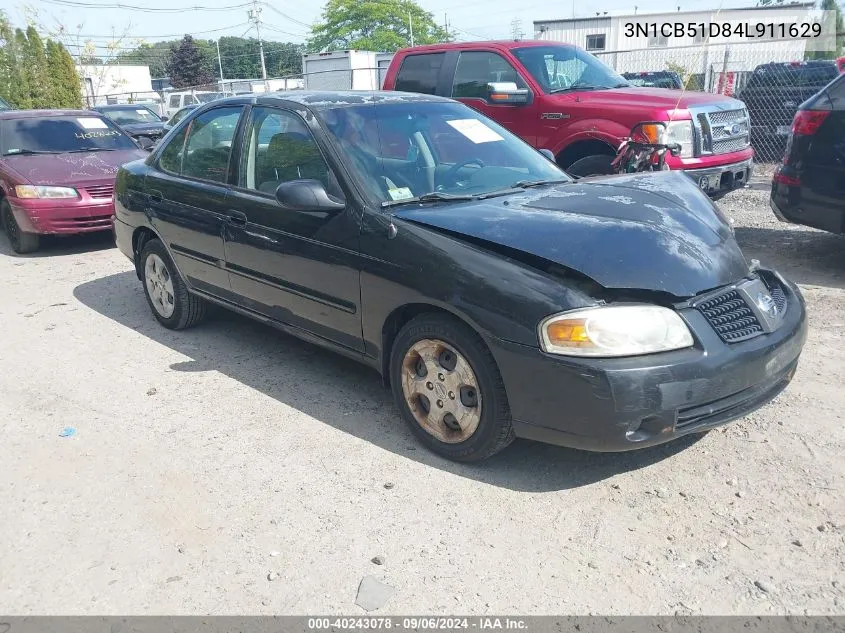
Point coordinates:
pixel 164 117
pixel 307 195
pixel 507 93
pixel 548 154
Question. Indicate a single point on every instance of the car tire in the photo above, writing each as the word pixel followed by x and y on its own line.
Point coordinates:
pixel 21 241
pixel 461 376
pixel 597 165
pixel 168 296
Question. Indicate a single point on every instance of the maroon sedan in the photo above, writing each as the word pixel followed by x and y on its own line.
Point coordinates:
pixel 57 170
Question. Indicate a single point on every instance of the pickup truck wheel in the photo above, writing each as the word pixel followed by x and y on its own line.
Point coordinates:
pixel 21 242
pixel 172 305
pixel 597 165
pixel 448 389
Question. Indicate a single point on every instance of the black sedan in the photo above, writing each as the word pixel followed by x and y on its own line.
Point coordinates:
pixel 809 187
pixel 138 121
pixel 496 296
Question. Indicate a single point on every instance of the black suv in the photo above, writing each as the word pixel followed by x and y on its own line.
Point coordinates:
pixel 772 95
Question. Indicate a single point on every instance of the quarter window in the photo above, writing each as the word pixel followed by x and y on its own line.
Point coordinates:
pixel 476 69
pixel 205 153
pixel 280 148
pixel 596 42
pixel 419 73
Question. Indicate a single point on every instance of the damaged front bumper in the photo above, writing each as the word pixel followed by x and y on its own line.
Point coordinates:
pixel 618 404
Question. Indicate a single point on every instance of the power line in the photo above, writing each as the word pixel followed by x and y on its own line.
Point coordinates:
pixel 179 35
pixel 132 7
pixel 285 15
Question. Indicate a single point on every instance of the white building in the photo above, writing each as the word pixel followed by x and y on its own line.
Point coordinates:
pixel 622 43
pixel 116 83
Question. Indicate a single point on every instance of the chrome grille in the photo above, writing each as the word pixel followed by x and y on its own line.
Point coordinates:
pixel 715 133
pixel 724 117
pixel 725 146
pixel 779 297
pixel 100 191
pixel 731 317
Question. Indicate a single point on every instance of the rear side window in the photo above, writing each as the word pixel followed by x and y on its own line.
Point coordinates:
pixel 836 93
pixel 419 73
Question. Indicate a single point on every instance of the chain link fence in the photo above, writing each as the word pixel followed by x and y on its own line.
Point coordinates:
pixel 771 78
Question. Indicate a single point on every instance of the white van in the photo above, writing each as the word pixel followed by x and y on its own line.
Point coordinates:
pixel 177 100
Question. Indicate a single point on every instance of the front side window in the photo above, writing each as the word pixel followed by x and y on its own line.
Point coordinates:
pixel 559 68
pixel 595 42
pixel 205 152
pixel 57 135
pixel 419 73
pixel 281 148
pixel 451 149
pixel 178 116
pixel 476 69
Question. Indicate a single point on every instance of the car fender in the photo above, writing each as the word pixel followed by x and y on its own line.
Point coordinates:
pixel 609 132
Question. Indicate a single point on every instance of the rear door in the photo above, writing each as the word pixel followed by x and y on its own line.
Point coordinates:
pixel 187 193
pixel 297 267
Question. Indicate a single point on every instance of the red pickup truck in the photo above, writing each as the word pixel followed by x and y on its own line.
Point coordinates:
pixel 560 98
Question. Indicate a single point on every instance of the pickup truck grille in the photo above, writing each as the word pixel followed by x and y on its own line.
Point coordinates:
pixel 722 131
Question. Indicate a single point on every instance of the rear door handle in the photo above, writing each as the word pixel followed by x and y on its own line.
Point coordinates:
pixel 235 217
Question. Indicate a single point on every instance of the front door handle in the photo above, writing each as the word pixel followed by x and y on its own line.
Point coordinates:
pixel 235 217
pixel 155 196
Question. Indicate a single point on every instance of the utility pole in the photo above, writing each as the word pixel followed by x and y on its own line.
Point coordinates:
pixel 411 27
pixel 516 29
pixel 255 17
pixel 220 65
pixel 446 24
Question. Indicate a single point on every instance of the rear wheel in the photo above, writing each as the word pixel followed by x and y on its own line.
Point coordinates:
pixel 597 165
pixel 21 241
pixel 448 389
pixel 166 292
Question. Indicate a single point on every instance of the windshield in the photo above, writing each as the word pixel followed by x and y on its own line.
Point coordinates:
pixel 559 68
pixel 129 117
pixel 401 151
pixel 55 135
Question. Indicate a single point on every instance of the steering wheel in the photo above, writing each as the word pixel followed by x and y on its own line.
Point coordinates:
pixel 450 176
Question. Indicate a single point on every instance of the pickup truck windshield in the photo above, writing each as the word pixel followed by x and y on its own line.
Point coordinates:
pixel 57 135
pixel 437 150
pixel 562 68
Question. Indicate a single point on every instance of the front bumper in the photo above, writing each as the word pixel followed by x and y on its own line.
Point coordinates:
pixel 722 178
pixel 627 403
pixel 63 216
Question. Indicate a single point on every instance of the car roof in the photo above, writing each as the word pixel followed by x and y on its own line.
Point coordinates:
pixel 319 99
pixel 43 114
pixel 500 44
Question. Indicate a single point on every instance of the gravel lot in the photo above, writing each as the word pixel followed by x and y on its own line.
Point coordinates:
pixel 205 462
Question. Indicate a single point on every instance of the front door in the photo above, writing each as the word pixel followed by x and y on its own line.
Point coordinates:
pixel 187 197
pixel 297 267
pixel 474 71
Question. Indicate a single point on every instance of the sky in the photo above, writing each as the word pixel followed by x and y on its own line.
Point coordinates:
pixel 289 20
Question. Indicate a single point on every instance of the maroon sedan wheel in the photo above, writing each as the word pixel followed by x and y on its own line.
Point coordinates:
pixel 21 241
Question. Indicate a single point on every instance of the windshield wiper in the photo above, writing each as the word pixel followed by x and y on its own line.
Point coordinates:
pixel 527 184
pixel 579 87
pixel 91 149
pixel 434 196
pixel 29 152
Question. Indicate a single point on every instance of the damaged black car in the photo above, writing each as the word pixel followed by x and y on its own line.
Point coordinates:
pixel 497 296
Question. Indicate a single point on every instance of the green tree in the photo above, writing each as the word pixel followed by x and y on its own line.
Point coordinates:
pixel 40 85
pixel 21 68
pixel 375 25
pixel 188 65
pixel 831 5
pixel 70 79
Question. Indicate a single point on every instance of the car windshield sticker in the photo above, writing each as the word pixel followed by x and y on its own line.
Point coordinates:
pixel 144 112
pixel 400 193
pixel 93 124
pixel 475 130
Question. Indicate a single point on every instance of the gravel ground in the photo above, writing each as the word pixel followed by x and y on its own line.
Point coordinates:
pixel 233 469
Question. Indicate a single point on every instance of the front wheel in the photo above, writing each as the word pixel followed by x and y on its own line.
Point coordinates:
pixel 21 241
pixel 448 389
pixel 171 303
pixel 598 165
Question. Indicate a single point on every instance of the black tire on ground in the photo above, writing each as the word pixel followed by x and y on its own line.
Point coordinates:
pixel 21 242
pixel 494 431
pixel 188 308
pixel 596 165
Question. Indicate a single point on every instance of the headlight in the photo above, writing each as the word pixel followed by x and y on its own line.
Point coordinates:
pixel 625 330
pixel 680 132
pixel 33 191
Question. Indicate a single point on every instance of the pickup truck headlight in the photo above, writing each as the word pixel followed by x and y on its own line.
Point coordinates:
pixel 680 132
pixel 34 191
pixel 624 330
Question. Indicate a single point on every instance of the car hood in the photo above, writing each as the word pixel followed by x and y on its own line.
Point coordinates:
pixel 651 231
pixel 141 128
pixel 71 170
pixel 654 98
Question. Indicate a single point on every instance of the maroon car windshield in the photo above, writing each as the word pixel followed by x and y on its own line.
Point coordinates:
pixel 57 135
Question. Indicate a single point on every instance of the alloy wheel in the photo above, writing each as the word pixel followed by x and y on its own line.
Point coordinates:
pixel 441 390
